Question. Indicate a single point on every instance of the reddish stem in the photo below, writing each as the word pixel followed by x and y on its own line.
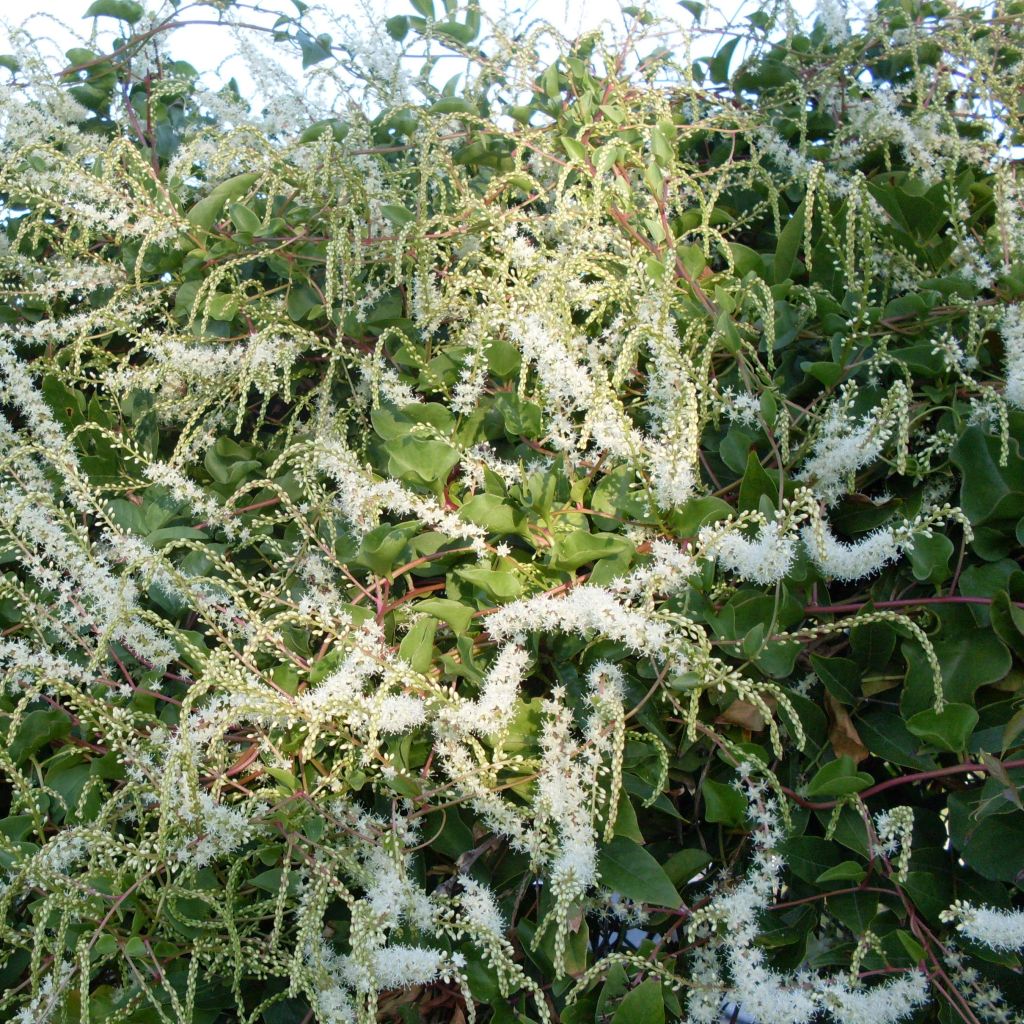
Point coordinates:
pixel 904 780
pixel 910 602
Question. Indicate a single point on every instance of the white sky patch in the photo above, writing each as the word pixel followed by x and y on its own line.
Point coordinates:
pixel 61 24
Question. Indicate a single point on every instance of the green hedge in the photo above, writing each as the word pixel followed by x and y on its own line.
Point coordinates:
pixel 542 548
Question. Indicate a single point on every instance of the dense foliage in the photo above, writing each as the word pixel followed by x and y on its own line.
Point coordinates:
pixel 542 547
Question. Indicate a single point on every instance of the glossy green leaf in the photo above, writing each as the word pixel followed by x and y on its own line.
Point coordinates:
pixel 949 729
pixel 36 730
pixel 244 219
pixel 790 239
pixel 723 803
pixel 207 210
pixel 627 868
pixel 123 10
pixel 492 513
pixel 642 1005
pixel 847 871
pixel 456 614
pixel 838 778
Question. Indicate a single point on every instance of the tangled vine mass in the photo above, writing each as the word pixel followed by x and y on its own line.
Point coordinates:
pixel 505 527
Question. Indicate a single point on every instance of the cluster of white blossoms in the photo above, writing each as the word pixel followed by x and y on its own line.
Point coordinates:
pixel 667 573
pixel 1011 330
pixel 569 385
pixel 183 488
pixel 220 829
pixel 894 829
pixel 988 926
pixel 490 713
pixel 876 117
pixel 835 20
pixel 18 389
pixel 67 277
pixel 362 498
pixel 47 1000
pixel 768 556
pixel 345 986
pixel 845 443
pixel 729 966
pixel 585 609
pixel 188 378
pixel 343 696
pixel 54 114
pixel 986 1000
pixel 347 982
pixel 87 595
pixel 291 699
pixel 840 560
pixel 25 665
pixel 743 407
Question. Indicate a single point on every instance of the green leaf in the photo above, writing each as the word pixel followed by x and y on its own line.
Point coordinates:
pixel 162 537
pixel 314 50
pixel 905 306
pixel 838 778
pixel 629 869
pixel 992 846
pixel 626 823
pixel 417 646
pixel 967 664
pixel 398 215
pixel 223 307
pixel 929 558
pixel 886 735
pixel 847 871
pixel 755 485
pixel 302 301
pixel 455 613
pixel 337 129
pixel 988 491
pixel 914 948
pixel 501 586
pixel 829 374
pixel 244 219
pixel 35 730
pixel 841 677
pixel 948 730
pixel 642 1005
pixel 418 460
pixel 724 803
pixel 461 33
pixel 806 856
pixel 581 548
pixel 207 210
pixel 381 547
pixel 123 10
pixel 873 644
pixel 397 27
pixel 699 512
pixel 493 514
pixel 1014 727
pixel 685 865
pixel 855 909
pixel 9 61
pixel 615 985
pixel 574 149
pixel 453 105
pixel 790 239
pixel 719 64
pixel 1008 622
